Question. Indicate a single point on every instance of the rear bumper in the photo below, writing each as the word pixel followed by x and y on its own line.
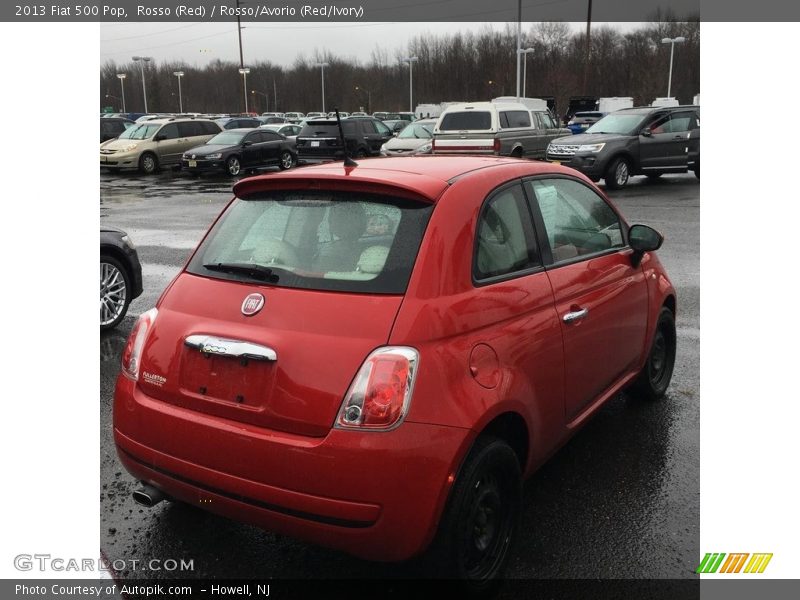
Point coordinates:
pixel 375 495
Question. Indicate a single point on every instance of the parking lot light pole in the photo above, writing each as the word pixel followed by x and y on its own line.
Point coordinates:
pixel 266 99
pixel 141 60
pixel 524 54
pixel 369 98
pixel 121 77
pixel 322 66
pixel 244 71
pixel 411 60
pixel 671 42
pixel 179 74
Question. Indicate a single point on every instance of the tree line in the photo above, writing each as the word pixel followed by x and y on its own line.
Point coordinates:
pixel 465 66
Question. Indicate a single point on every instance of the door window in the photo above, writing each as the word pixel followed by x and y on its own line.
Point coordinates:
pixel 504 236
pixel 169 132
pixel 190 129
pixel 270 136
pixel 578 222
pixel 382 129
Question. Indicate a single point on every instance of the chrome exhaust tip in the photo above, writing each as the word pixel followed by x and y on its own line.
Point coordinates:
pixel 148 496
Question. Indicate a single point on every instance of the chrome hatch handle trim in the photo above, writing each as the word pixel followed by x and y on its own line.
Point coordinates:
pixel 209 344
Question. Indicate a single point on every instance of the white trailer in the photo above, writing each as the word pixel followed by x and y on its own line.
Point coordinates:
pixel 665 102
pixel 609 105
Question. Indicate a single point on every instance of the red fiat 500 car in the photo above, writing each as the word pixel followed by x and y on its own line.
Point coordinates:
pixel 385 389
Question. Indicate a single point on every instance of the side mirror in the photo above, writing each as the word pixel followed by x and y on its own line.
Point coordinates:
pixel 159 137
pixel 643 239
pixel 246 143
pixel 646 132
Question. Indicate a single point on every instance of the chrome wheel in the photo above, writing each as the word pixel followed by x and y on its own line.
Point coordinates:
pixel 234 166
pixel 621 174
pixel 287 160
pixel 113 294
pixel 148 163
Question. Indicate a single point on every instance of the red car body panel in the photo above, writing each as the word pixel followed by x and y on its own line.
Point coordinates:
pixel 275 460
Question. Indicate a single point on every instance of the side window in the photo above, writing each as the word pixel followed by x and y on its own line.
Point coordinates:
pixel 382 129
pixel 577 221
pixel 503 238
pixel 545 120
pixel 516 118
pixel 367 127
pixel 254 138
pixel 682 122
pixel 189 129
pixel 209 128
pixel 270 136
pixel 169 132
pixel 660 125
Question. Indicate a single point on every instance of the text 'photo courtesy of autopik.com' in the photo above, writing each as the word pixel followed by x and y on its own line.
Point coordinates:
pixel 396 298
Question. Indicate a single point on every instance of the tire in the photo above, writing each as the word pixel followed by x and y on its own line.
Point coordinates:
pixel 287 160
pixel 233 166
pixel 654 378
pixel 481 517
pixel 115 292
pixel 361 154
pixel 617 174
pixel 517 153
pixel 148 163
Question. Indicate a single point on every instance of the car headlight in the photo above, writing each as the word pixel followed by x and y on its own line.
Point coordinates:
pixel 424 149
pixel 590 147
pixel 130 147
pixel 214 156
pixel 128 242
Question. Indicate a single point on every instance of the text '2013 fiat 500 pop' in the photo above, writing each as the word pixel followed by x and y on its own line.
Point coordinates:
pixel 373 358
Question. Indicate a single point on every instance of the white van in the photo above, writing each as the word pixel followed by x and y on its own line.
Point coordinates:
pixel 507 129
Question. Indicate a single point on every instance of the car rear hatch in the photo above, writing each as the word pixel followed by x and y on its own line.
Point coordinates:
pixel 281 304
pixel 466 132
pixel 321 138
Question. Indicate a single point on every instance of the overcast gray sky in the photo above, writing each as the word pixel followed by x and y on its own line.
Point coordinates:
pixel 196 44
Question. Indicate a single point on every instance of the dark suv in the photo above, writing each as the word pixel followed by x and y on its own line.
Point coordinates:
pixel 634 141
pixel 320 139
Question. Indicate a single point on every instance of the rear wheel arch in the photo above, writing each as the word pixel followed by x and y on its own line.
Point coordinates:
pixel 119 255
pixel 512 429
pixel 669 302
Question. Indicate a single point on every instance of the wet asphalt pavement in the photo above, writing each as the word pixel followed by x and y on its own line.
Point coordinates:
pixel 620 500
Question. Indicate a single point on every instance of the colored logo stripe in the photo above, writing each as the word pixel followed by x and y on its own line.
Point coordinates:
pixel 712 562
pixel 758 563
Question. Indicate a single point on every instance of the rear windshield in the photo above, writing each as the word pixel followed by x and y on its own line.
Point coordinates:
pixel 327 129
pixel 344 241
pixel 456 121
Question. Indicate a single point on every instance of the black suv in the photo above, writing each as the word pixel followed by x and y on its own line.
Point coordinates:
pixel 634 141
pixel 320 140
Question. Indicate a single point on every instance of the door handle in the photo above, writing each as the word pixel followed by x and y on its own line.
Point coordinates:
pixel 576 315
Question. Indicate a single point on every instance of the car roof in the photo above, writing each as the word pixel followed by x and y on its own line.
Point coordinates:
pixel 643 110
pixel 425 176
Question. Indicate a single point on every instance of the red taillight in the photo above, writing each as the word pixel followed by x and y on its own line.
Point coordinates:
pixel 381 392
pixel 497 145
pixel 132 354
pixel 433 145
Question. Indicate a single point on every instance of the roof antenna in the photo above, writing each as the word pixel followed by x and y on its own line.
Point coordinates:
pixel 348 162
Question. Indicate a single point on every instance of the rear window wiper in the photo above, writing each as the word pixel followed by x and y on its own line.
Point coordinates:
pixel 251 270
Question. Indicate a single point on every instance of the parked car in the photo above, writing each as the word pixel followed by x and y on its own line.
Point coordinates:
pixel 407 116
pixel 294 117
pixel 579 104
pixel 154 144
pixel 581 121
pixel 634 141
pixel 315 115
pixel 271 120
pixel 373 358
pixel 239 122
pixel 120 276
pixel 320 139
pixel 237 150
pixel 396 126
pixel 273 114
pixel 495 128
pixel 112 127
pixel 342 114
pixel 359 114
pixel 415 139
pixel 287 130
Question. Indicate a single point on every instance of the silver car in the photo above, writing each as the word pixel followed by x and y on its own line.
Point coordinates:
pixel 414 139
